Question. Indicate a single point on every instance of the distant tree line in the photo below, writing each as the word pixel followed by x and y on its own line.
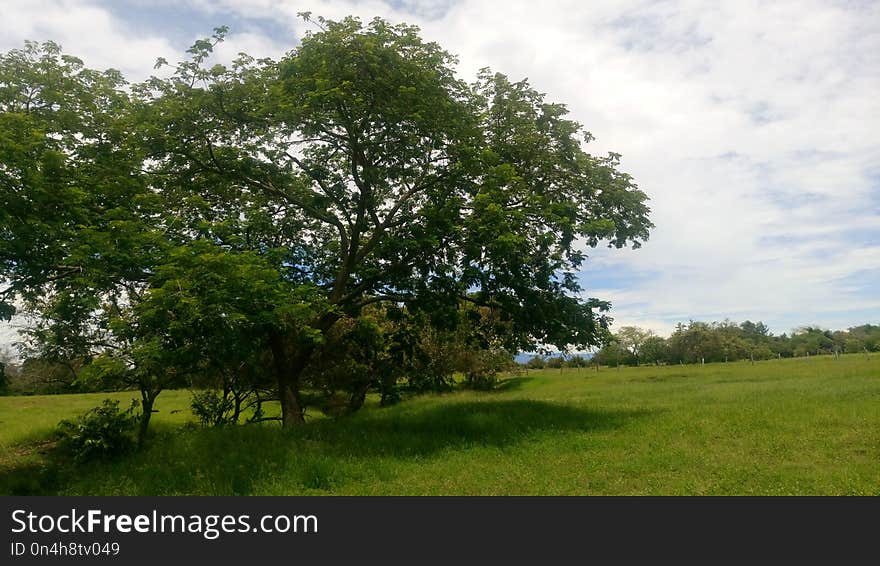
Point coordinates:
pixel 695 342
pixel 557 362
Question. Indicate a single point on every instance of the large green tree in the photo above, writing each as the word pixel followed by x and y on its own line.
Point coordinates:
pixel 380 176
pixel 77 217
pixel 358 167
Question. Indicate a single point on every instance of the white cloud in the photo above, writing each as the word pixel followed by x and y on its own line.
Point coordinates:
pixel 752 126
pixel 85 29
pixel 251 43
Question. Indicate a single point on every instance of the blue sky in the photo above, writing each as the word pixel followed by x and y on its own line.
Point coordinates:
pixel 753 126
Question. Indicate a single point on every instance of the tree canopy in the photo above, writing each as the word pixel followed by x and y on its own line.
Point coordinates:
pixel 228 212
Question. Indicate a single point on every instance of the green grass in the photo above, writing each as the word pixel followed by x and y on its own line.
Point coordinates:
pixel 806 426
pixel 27 424
pixel 34 417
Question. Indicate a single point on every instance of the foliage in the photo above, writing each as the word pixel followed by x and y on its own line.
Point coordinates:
pixel 696 342
pixel 39 377
pixel 364 168
pixel 231 225
pixel 482 366
pixel 432 359
pixel 853 345
pixel 9 369
pixel 352 358
pixel 632 339
pixel 577 362
pixel 536 362
pixel 213 408
pixel 811 341
pixel 72 201
pixel 30 417
pixel 103 432
pixel 79 220
pixel 559 361
pixel 206 318
pixel 611 354
pixel 654 350
pixel 869 335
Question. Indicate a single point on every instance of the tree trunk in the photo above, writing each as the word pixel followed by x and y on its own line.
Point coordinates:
pixel 237 398
pixel 289 369
pixel 288 374
pixel 291 404
pixel 357 398
pixel 148 398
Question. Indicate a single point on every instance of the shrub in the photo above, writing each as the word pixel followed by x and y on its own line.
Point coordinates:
pixel 390 394
pixel 480 380
pixel 481 367
pixel 212 408
pixel 103 432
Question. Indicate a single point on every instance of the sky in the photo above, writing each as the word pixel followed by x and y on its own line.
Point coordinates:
pixel 754 127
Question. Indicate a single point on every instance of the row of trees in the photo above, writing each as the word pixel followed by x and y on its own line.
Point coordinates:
pixel 695 342
pixel 558 362
pixel 386 350
pixel 304 230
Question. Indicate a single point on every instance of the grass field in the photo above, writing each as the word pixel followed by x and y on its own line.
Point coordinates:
pixel 805 426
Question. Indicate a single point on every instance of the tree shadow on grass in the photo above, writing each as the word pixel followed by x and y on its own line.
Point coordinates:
pixel 450 425
pixel 326 455
pixel 38 474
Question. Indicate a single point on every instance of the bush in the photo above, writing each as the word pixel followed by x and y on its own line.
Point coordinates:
pixel 390 395
pixel 212 408
pixel 481 367
pixel 103 432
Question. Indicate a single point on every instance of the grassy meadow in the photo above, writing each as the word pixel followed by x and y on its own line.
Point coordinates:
pixel 808 426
